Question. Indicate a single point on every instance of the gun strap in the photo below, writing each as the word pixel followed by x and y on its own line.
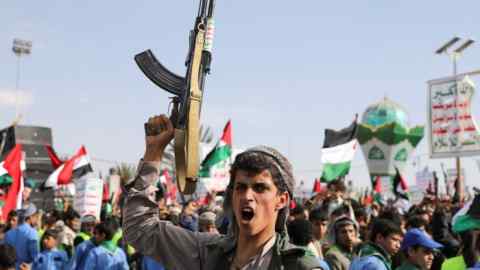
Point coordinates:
pixel 187 141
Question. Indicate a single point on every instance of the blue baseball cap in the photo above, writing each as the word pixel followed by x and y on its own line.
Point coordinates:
pixel 418 237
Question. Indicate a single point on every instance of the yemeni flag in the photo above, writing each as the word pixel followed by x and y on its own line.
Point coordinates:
pixel 75 167
pixel 468 218
pixel 13 166
pixel 338 151
pixel 220 153
pixel 400 187
pixel 56 161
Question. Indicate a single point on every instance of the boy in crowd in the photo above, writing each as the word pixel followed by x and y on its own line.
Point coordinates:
pixel 50 258
pixel 106 255
pixel 419 250
pixel 385 240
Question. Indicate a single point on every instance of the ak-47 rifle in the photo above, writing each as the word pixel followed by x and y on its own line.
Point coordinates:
pixel 188 93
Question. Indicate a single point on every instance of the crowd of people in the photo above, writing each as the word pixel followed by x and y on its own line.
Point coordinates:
pixel 254 224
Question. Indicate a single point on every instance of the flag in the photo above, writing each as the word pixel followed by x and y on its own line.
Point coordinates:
pixel 13 165
pixel 377 192
pixel 220 153
pixel 338 151
pixel 75 167
pixel 400 187
pixel 317 186
pixel 56 161
pixel 468 218
pixel 171 188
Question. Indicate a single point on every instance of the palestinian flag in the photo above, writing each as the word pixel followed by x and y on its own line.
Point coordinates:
pixel 171 188
pixel 338 151
pixel 220 153
pixel 13 166
pixel 400 187
pixel 317 186
pixel 75 167
pixel 468 218
pixel 377 192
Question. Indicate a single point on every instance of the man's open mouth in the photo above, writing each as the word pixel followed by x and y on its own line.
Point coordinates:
pixel 247 213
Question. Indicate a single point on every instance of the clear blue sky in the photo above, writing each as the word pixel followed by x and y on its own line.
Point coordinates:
pixel 283 71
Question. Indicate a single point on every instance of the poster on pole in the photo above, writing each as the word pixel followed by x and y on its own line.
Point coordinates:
pixel 423 179
pixel 453 131
pixel 88 196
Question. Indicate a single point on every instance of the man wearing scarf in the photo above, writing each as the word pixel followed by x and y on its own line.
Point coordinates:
pixel 256 203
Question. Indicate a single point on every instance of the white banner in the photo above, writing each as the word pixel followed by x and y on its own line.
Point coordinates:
pixel 88 196
pixel 453 131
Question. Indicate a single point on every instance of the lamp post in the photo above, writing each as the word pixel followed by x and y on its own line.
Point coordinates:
pixel 20 48
pixel 454 56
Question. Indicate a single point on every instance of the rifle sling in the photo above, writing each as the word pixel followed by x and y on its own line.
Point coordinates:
pixel 187 141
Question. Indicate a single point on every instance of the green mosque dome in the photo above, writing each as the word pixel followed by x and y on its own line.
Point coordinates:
pixel 385 112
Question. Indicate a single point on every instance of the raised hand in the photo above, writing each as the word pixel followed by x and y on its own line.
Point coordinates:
pixel 159 132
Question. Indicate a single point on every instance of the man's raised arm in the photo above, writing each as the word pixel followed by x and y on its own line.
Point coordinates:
pixel 174 247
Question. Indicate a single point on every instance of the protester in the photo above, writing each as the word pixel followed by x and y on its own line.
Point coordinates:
pixel 257 200
pixel 344 238
pixel 50 258
pixel 24 237
pixel 106 255
pixel 385 241
pixel 87 228
pixel 206 222
pixel 68 232
pixel 81 253
pixel 419 250
pixel 319 220
pixel 12 220
pixel 7 257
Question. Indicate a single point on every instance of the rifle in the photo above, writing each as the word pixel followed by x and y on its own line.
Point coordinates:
pixel 188 93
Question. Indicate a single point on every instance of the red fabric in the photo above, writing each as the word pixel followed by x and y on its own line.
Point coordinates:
pixel 65 175
pixel 106 193
pixel 12 165
pixel 56 162
pixel 293 204
pixel 227 133
pixel 378 185
pixel 171 187
pixel 403 183
pixel 317 186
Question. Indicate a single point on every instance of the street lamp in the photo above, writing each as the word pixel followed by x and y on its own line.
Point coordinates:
pixel 20 47
pixel 455 55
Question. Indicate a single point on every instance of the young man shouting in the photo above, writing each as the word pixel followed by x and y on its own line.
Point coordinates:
pixel 257 199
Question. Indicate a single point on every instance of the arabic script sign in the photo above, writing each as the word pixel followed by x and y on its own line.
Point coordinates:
pixel 453 131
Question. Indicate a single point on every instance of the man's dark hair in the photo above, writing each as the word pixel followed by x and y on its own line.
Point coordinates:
pixel 254 164
pixel 391 214
pixel 12 214
pixel 384 227
pixel 7 256
pixel 299 209
pixel 300 232
pixel 47 234
pixel 416 222
pixel 107 229
pixel 338 185
pixel 71 214
pixel 318 215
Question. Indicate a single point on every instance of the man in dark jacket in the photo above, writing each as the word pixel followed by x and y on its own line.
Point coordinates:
pixel 256 203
